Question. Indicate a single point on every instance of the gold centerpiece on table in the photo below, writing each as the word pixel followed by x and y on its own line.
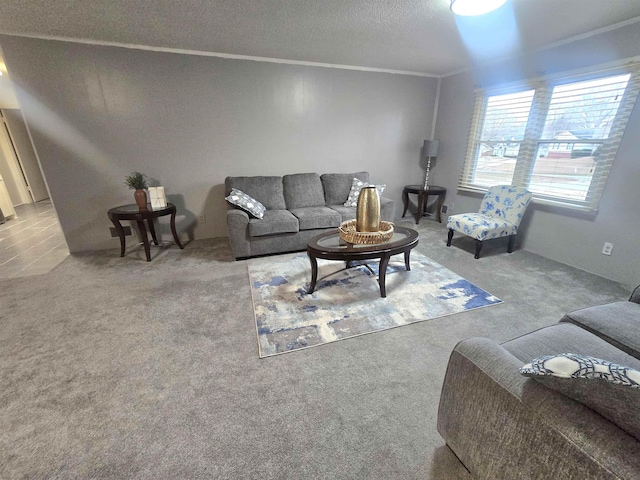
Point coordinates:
pixel 368 210
pixel 349 234
pixel 367 228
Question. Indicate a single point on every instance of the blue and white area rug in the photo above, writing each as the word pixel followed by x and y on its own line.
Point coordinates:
pixel 346 302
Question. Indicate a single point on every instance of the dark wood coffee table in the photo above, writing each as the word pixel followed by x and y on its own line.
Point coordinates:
pixel 330 246
pixel 133 212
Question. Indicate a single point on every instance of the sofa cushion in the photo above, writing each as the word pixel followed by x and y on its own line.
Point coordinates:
pixel 618 323
pixel 597 395
pixel 337 186
pixel 317 217
pixel 349 213
pixel 246 203
pixel 303 190
pixel 346 213
pixel 267 190
pixel 596 383
pixel 273 222
pixel 565 337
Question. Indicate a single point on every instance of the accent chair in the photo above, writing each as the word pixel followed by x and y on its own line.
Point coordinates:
pixel 500 214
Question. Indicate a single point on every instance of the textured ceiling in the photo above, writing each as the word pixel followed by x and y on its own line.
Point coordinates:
pixel 410 35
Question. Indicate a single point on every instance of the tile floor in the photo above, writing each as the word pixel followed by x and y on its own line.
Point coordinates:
pixel 31 243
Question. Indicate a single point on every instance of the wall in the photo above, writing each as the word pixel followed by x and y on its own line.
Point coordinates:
pixel 96 113
pixel 28 160
pixel 559 234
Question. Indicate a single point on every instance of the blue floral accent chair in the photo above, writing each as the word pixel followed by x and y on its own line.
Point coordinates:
pixel 500 214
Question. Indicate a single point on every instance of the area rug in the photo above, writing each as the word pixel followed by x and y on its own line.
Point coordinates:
pixel 346 302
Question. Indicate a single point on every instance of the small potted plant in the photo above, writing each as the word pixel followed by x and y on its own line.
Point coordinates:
pixel 138 181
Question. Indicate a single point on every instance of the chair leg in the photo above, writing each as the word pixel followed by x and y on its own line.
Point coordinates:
pixel 478 248
pixel 510 247
pixel 449 237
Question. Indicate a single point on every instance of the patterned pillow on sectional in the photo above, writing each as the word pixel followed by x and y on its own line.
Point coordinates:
pixel 609 389
pixel 246 203
pixel 570 365
pixel 356 186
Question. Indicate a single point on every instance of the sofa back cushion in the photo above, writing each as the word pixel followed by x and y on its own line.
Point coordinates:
pixel 615 322
pixel 338 185
pixel 267 190
pixel 303 190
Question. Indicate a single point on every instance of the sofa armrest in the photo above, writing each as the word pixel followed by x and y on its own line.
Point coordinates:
pixel 635 295
pixel 501 424
pixel 237 224
pixel 387 209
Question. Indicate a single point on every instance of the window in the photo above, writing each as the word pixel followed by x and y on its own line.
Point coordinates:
pixel 557 140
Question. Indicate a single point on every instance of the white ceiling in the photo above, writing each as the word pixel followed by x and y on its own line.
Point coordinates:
pixel 411 35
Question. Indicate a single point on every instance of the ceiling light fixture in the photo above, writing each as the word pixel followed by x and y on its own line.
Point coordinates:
pixel 469 8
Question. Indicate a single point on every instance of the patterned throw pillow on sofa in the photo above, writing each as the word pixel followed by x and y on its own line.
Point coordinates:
pixel 356 186
pixel 571 365
pixel 580 377
pixel 246 203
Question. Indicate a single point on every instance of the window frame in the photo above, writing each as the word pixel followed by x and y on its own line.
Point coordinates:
pixel 528 150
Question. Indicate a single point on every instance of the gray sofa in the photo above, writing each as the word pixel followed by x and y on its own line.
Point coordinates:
pixel 502 425
pixel 299 206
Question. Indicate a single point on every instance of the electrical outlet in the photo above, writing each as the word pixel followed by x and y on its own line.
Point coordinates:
pixel 608 247
pixel 202 218
pixel 114 232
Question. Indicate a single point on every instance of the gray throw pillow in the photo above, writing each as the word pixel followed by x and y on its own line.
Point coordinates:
pixel 610 389
pixel 246 203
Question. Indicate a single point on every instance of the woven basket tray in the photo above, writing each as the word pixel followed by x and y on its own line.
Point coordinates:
pixel 349 234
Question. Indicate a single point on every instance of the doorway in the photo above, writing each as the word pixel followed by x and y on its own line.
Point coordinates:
pixel 31 238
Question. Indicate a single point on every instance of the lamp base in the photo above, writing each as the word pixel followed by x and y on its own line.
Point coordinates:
pixel 425 186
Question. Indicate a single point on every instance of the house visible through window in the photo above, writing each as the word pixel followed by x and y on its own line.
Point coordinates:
pixel 557 140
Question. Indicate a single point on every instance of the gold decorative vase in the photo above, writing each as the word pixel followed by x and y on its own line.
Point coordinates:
pixel 368 210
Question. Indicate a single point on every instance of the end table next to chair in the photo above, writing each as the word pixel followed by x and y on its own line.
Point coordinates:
pixel 423 197
pixel 133 212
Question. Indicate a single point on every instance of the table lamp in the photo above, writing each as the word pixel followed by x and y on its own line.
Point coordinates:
pixel 429 149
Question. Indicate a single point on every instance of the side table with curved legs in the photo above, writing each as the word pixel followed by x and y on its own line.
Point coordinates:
pixel 133 212
pixel 423 197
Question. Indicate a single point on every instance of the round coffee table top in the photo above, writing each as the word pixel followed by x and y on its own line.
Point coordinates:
pixel 329 245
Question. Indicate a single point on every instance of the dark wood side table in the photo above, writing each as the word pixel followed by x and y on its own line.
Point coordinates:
pixel 423 197
pixel 133 212
pixel 330 246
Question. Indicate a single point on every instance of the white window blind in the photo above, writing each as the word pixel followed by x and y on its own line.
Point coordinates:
pixel 557 140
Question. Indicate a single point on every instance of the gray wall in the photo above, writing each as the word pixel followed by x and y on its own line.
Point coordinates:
pixel 96 113
pixel 22 143
pixel 559 234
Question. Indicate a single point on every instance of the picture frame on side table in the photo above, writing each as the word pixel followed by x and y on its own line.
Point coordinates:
pixel 157 198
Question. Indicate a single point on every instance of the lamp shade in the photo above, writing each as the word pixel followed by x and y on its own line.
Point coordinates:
pixel 430 148
pixel 475 7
